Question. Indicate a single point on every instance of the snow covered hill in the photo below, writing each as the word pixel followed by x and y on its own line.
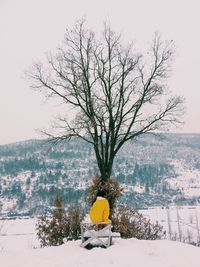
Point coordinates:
pixel 20 248
pixel 152 171
pixel 129 253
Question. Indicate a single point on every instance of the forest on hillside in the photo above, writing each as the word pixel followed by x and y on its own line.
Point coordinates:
pixel 32 173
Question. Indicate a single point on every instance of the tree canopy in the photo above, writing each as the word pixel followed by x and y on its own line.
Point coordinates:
pixel 117 93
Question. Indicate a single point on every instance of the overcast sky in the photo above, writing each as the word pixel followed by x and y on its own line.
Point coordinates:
pixel 30 28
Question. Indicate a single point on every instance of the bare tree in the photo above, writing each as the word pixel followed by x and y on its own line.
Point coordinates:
pixel 117 96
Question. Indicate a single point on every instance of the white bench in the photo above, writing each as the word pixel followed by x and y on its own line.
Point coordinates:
pixel 97 233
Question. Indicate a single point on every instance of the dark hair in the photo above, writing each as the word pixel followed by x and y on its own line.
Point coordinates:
pixel 101 193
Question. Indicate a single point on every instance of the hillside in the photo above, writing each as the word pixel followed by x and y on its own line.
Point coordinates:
pixel 153 171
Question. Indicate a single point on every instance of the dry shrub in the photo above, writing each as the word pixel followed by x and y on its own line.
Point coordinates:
pixel 74 219
pixel 112 188
pixel 130 223
pixel 54 230
pixel 51 230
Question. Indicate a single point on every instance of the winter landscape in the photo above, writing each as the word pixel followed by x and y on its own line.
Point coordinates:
pixel 20 208
pixel 19 247
pixel 99 129
pixel 154 171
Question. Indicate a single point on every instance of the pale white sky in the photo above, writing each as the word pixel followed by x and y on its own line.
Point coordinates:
pixel 30 28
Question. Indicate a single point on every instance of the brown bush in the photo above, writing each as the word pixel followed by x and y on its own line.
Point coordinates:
pixel 74 218
pixel 111 187
pixel 54 230
pixel 130 223
pixel 51 230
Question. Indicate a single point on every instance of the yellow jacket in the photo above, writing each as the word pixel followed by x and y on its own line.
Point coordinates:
pixel 100 210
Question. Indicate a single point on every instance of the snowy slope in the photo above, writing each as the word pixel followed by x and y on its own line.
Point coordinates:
pixel 152 171
pixel 127 253
pixel 19 247
pixel 187 180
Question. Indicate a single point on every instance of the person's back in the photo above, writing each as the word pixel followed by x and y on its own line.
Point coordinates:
pixel 100 209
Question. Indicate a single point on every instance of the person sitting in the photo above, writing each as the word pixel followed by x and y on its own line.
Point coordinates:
pixel 100 209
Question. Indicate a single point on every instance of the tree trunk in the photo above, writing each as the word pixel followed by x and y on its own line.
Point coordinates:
pixel 106 170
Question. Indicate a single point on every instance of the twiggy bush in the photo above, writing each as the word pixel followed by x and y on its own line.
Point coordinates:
pixel 130 223
pixel 74 218
pixel 54 230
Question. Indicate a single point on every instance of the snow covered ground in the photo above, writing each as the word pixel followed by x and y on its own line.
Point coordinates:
pixel 19 247
pixel 180 223
pixel 123 253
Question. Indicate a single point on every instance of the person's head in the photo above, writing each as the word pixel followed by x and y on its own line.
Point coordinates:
pixel 101 193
